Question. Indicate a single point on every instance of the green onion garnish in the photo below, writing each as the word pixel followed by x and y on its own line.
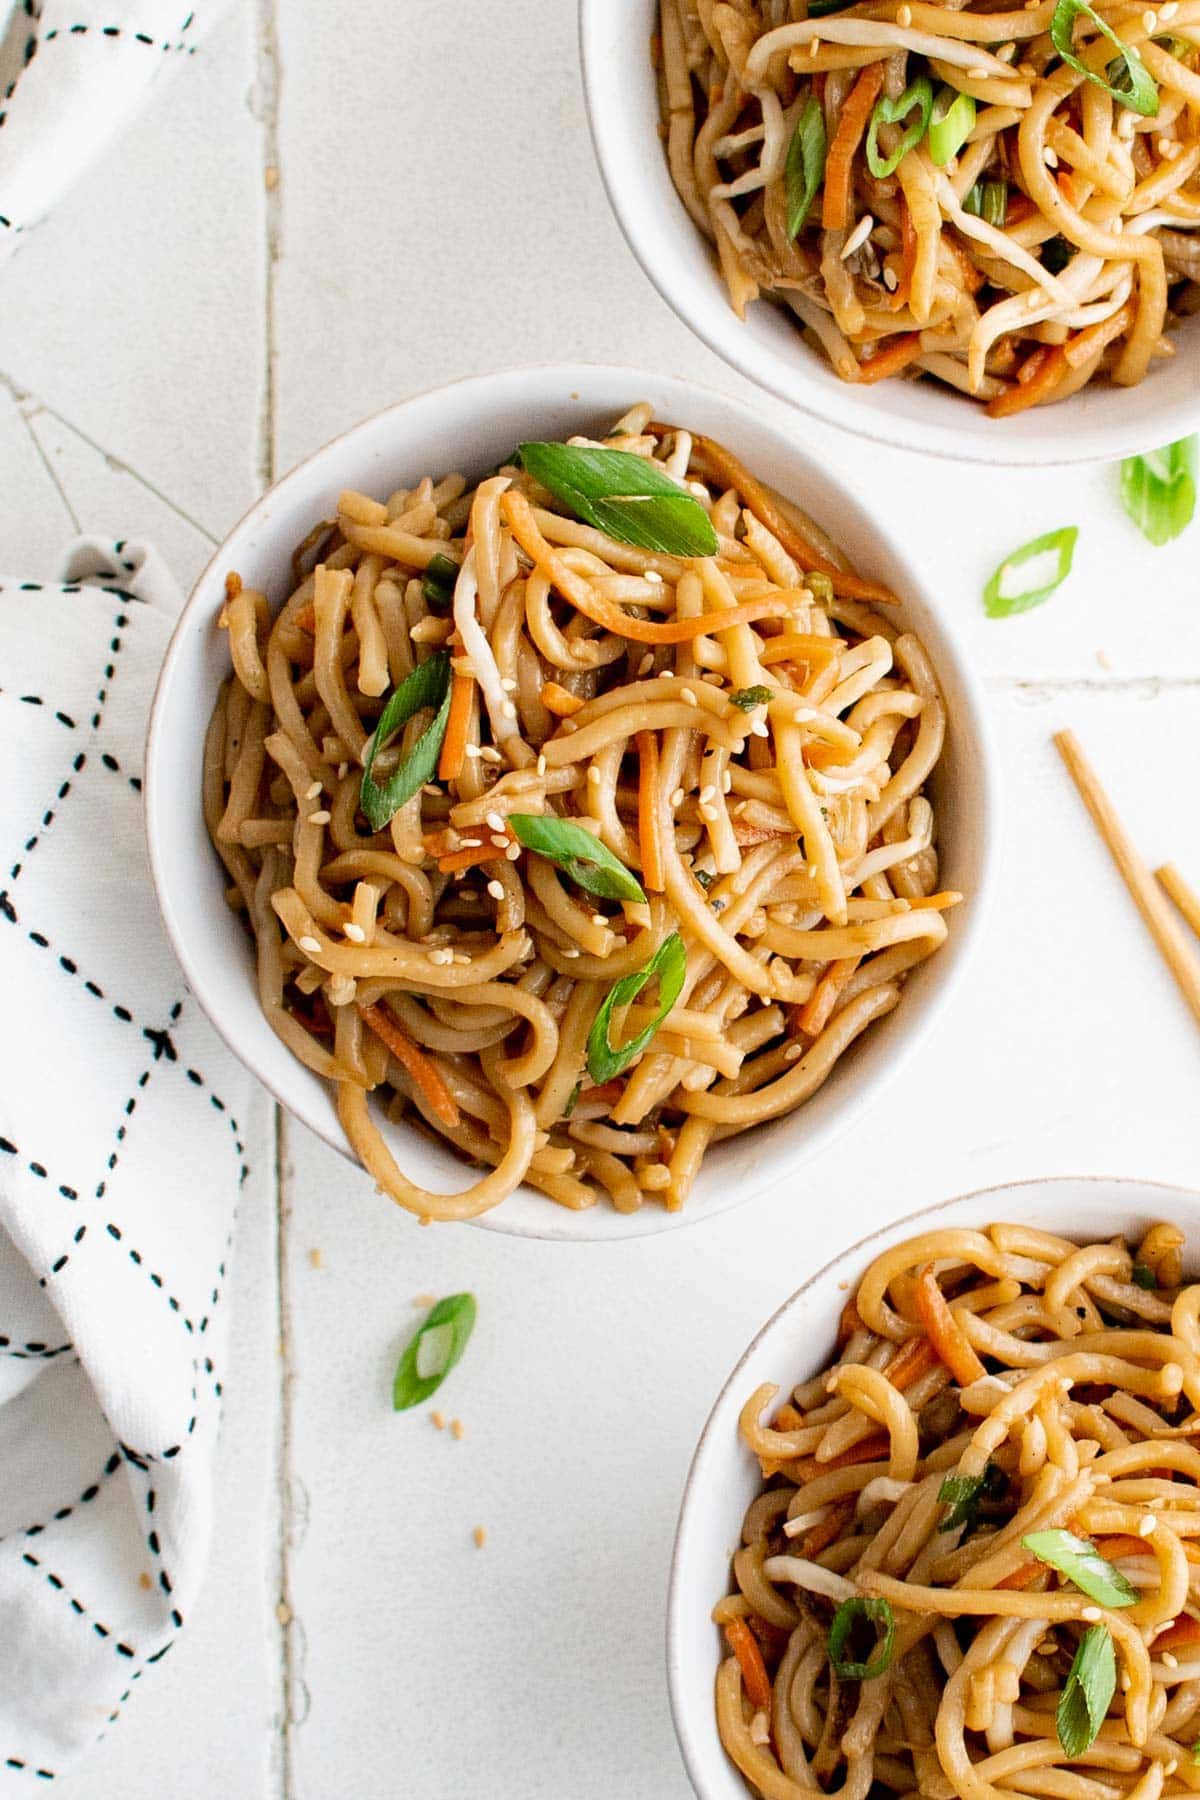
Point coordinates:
pixel 964 1495
pixel 1089 1690
pixel 437 582
pixel 1001 599
pixel 433 1350
pixel 1144 1275
pixel 918 98
pixel 746 699
pixel 626 496
pixel 1158 490
pixel 951 123
pixel 427 686
pixel 805 164
pixel 572 1099
pixel 669 964
pixel 576 851
pixel 1079 1560
pixel 988 200
pixel 705 878
pixel 1132 84
pixel 879 1613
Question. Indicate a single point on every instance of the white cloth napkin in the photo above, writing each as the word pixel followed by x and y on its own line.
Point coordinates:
pixel 72 74
pixel 122 1153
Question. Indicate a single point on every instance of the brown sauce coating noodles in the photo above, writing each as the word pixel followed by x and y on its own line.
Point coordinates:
pixel 1056 242
pixel 437 969
pixel 1057 1386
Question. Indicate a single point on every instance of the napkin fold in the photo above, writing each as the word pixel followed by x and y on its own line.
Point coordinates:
pixel 73 73
pixel 122 1152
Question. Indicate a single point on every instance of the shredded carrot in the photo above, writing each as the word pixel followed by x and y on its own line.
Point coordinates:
pixel 733 473
pixel 814 1015
pixel 1123 1544
pixel 649 843
pixel 1034 363
pixel 602 611
pixel 945 1332
pixel 852 122
pixel 800 646
pixel 1022 1576
pixel 560 701
pixel 1184 1632
pixel 908 257
pixel 1051 368
pixel 900 352
pixel 829 1528
pixel 442 843
pixel 914 1359
pixel 454 744
pixel 1084 344
pixel 422 1069
pixel 1066 187
pixel 744 1645
pixel 469 858
pixel 936 902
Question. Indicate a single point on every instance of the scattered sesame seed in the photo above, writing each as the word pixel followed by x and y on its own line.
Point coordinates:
pixel 472 844
pixel 513 852
pixel 858 236
pixel 891 280
pixel 708 814
pixel 707 793
pixel 495 821
pixel 904 17
pixel 472 752
pixel 432 789
pixel 441 957
pixel 355 933
pixel 461 958
pixel 310 945
pixel 599 919
pixel 312 792
pixel 541 765
pixel 677 797
pixel 456 1428
pixel 977 74
pixel 438 1421
pixel 144 1581
pixel 490 755
pixel 508 684
pixel 1147 1526
pixel 793 1053
pixel 320 818
pixel 1149 21
pixel 1050 157
pixel 1170 1661
pixel 814 44
pixel 1167 13
pixel 688 694
pixel 1170 1766
pixel 496 889
pixel 1092 1614
pixel 759 729
pixel 480 1536
pixel 508 710
pixel 646 664
pixel 571 951
pixel 653 577
pixel 270 178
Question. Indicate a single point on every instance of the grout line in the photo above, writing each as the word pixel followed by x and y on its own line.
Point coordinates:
pixel 268 85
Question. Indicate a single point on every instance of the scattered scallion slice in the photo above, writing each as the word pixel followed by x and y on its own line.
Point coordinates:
pixel 1144 1275
pixel 572 1099
pixel 1046 563
pixel 433 1350
pixel 918 98
pixel 878 1613
pixel 629 497
pixel 578 853
pixel 746 699
pixel 427 686
pixel 805 164
pixel 965 1494
pixel 1089 1689
pixel 988 200
pixel 705 878
pixel 437 583
pixel 1132 84
pixel 1158 490
pixel 951 122
pixel 1079 1560
pixel 669 964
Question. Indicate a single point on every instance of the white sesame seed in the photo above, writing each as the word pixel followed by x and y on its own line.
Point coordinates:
pixel 1170 1660
pixel 1147 1526
pixel 759 729
pixel 541 765
pixel 355 933
pixel 677 797
pixel 319 818
pixel 495 821
pixel 441 957
pixel 1167 13
pixel 1171 1764
pixel 499 842
pixel 310 945
pixel 858 236
pixel 472 752
pixel 571 952
pixel 433 790
pixel 688 694
pixel 707 793
pixel 904 17
pixel 599 919
pixel 312 792
pixel 508 710
pixel 646 664
pixel 490 755
pixel 471 843
pixel 1050 157
pixel 496 889
pixel 1092 1614
pixel 708 814
pixel 1174 150
pixel 342 990
pixel 513 852
pixel 977 74
pixel 461 957
pixel 891 280
pixel 1149 21
pixel 653 577
pixel 508 684
pixel 793 1053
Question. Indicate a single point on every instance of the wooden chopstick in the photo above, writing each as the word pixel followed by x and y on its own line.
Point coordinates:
pixel 1177 950
pixel 1186 898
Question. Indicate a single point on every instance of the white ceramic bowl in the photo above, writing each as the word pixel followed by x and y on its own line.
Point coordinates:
pixel 796 1344
pixel 471 426
pixel 1100 423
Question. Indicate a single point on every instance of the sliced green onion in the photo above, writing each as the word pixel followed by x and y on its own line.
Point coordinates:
pixel 1133 86
pixel 669 964
pixel 1001 599
pixel 805 164
pixel 1144 1275
pixel 427 686
pixel 746 699
pixel 1158 490
pixel 572 1099
pixel 629 497
pixel 576 851
pixel 433 1350
pixel 918 98
pixel 437 582
pixel 1088 1692
pixel 879 1613
pixel 705 878
pixel 951 123
pixel 964 1495
pixel 988 200
pixel 1079 1560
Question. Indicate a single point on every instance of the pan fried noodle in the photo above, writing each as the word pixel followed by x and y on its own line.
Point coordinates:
pixel 974 1568
pixel 660 857
pixel 1004 200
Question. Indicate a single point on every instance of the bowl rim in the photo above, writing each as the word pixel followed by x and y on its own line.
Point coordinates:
pixel 840 403
pixel 952 656
pixel 680 1694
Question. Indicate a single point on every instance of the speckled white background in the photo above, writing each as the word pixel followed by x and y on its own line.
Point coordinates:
pixel 174 336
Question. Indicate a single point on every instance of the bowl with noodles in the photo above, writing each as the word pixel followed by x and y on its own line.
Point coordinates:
pixel 940 1533
pixel 489 836
pixel 971 233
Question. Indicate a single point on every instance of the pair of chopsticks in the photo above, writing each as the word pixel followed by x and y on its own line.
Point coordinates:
pixel 1150 891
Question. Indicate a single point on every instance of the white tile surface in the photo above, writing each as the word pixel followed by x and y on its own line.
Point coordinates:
pixel 438 212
